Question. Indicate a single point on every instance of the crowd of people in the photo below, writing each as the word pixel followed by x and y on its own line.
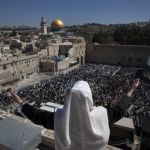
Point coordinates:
pixel 108 83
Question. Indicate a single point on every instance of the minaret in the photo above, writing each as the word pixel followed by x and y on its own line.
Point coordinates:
pixel 43 26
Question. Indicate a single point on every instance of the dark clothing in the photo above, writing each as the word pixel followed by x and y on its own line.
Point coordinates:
pixel 145 139
pixel 46 118
pixel 39 116
pixel 117 112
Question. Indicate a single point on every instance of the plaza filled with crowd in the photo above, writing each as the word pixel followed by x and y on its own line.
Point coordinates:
pixel 108 84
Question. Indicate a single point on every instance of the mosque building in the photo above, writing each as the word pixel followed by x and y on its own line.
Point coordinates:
pixel 57 25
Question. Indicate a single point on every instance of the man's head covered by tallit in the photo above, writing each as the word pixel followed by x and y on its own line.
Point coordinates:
pixel 80 125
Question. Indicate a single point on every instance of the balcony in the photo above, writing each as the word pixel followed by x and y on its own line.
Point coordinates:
pixel 46 139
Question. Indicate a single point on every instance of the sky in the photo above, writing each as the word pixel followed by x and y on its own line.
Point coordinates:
pixel 73 12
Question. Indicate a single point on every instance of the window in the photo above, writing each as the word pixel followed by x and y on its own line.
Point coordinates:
pixel 4 67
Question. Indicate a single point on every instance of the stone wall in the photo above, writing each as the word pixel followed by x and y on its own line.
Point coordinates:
pixel 79 53
pixel 67 70
pixel 47 66
pixel 27 66
pixel 63 64
pixel 17 68
pixel 63 49
pixel 118 54
pixel 53 50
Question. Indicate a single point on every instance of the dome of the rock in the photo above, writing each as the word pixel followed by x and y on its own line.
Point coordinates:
pixel 57 24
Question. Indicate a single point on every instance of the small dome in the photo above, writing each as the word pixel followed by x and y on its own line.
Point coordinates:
pixel 57 24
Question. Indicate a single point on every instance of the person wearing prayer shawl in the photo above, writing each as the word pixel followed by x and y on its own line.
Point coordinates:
pixel 79 125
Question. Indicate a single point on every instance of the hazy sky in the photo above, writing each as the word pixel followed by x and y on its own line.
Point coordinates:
pixel 29 12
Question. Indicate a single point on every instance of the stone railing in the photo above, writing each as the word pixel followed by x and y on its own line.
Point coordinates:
pixel 48 140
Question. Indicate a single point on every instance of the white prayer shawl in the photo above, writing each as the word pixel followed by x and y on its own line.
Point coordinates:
pixel 79 125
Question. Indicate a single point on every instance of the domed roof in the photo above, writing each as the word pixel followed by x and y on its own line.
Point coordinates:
pixel 57 24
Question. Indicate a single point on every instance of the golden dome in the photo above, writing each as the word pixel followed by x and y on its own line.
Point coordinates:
pixel 57 24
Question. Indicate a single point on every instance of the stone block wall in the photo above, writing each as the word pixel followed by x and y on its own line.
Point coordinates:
pixel 118 54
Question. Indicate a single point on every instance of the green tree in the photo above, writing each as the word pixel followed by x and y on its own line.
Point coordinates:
pixel 102 38
pixel 14 33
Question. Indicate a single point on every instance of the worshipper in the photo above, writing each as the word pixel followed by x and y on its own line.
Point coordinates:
pixel 107 84
pixel 79 125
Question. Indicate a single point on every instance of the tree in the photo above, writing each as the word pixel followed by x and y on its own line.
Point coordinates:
pixel 14 33
pixel 102 38
pixel 120 35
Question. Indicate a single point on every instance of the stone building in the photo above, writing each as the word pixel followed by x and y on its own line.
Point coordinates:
pixel 65 56
pixel 18 68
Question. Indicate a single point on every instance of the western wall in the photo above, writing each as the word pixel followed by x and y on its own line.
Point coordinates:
pixel 125 55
